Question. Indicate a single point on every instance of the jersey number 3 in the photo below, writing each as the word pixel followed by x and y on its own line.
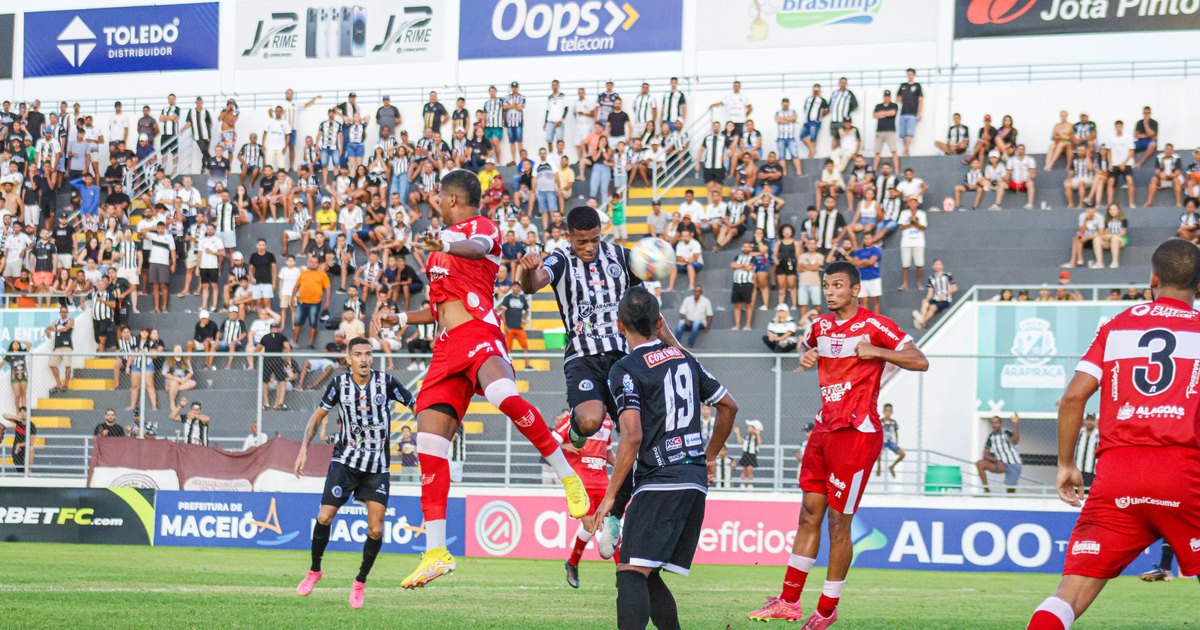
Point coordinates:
pixel 678 392
pixel 1161 358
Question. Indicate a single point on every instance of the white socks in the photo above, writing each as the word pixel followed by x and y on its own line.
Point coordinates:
pixel 559 463
pixel 1059 608
pixel 435 534
pixel 801 562
pixel 833 589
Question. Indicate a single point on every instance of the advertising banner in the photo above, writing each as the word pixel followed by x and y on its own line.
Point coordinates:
pixel 1004 18
pixel 165 465
pixel 151 38
pixel 1047 338
pixel 117 516
pixel 762 532
pixel 7 37
pixel 548 28
pixel 750 24
pixel 307 34
pixel 285 521
pixel 26 324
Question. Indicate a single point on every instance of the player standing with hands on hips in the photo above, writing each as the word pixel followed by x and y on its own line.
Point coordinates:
pixel 361 457
pixel 849 346
pixel 469 358
pixel 1147 485
pixel 659 390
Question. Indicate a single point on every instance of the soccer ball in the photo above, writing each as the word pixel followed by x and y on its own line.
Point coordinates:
pixel 652 259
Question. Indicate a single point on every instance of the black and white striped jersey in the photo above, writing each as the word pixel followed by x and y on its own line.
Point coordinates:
pixel 744 276
pixel 1085 450
pixel 252 154
pixel 841 104
pixel 514 117
pixel 493 113
pixel 787 129
pixel 957 133
pixel 128 249
pixel 224 216
pixel 327 134
pixel 672 105
pixel 588 294
pixel 940 283
pixel 714 150
pixel 194 431
pixel 1000 444
pixel 814 106
pixel 366 414
pixel 643 108
pixel 100 310
pixel 201 122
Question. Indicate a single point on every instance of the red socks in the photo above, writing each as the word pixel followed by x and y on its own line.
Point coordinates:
pixel 797 573
pixel 826 604
pixel 530 423
pixel 1045 620
pixel 577 552
pixel 435 486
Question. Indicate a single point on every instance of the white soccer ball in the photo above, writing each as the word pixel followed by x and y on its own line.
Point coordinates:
pixel 652 259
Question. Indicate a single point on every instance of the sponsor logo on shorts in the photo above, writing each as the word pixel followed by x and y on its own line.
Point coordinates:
pixel 676 457
pixel 586 385
pixel 526 420
pixel 336 492
pixel 674 444
pixel 1124 502
pixel 382 489
pixel 837 483
pixel 1085 548
pixel 437 272
pixel 835 392
pixel 692 439
pixel 1194 544
pixel 427 479
pixel 663 355
pixel 483 345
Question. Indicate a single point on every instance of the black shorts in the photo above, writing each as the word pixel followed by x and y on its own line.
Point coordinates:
pixel 209 276
pixel 274 368
pixel 1119 171
pixel 712 175
pixel 940 305
pixel 167 144
pixel 587 379
pixel 742 292
pixel 103 328
pixel 342 481
pixel 748 460
pixel 662 529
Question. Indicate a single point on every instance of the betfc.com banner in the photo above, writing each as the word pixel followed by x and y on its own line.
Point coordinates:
pixel 762 532
pixel 111 516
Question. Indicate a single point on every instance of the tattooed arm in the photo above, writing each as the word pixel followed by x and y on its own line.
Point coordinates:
pixel 310 432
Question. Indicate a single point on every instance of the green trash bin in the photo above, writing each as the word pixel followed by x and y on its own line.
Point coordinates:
pixel 943 479
pixel 556 338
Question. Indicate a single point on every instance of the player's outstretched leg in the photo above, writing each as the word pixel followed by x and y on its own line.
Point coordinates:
pixel 320 540
pixel 1075 593
pixel 433 452
pixel 501 391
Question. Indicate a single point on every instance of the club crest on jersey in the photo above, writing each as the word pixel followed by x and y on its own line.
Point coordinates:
pixel 627 384
pixel 665 354
pixel 613 269
pixel 835 345
pixel 586 309
pixel 380 399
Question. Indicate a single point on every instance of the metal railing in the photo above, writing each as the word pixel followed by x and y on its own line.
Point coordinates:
pixel 941 425
pixel 680 163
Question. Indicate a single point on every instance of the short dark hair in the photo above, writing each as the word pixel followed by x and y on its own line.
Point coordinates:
pixel 582 219
pixel 1177 264
pixel 357 341
pixel 638 311
pixel 465 184
pixel 851 271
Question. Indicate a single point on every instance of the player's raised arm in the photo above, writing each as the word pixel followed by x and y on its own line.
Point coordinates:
pixel 310 432
pixel 474 248
pixel 402 318
pixel 533 273
pixel 908 357
pixel 1070 418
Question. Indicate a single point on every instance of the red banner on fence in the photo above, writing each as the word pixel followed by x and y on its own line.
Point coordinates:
pixel 164 465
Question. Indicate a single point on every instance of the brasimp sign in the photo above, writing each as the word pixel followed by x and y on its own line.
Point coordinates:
pixel 534 28
pixel 150 38
pixel 748 24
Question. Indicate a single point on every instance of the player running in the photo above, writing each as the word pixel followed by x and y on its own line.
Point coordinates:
pixel 469 358
pixel 591 464
pixel 589 279
pixel 1146 363
pixel 659 390
pixel 850 347
pixel 359 466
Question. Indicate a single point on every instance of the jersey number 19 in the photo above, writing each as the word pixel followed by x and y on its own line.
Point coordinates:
pixel 677 384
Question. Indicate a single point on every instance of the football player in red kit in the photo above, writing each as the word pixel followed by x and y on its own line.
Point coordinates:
pixel 468 358
pixel 850 346
pixel 1146 364
pixel 591 464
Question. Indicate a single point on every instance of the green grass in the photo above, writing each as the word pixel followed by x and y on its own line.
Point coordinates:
pixel 112 587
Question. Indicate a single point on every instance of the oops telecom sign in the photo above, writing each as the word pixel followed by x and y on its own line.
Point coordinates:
pixel 536 28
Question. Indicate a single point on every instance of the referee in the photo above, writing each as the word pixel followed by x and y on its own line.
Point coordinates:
pixel 360 463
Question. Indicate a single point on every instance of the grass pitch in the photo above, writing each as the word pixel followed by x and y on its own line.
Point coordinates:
pixel 113 587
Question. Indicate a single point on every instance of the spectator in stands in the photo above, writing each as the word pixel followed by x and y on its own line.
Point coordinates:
pixel 1060 142
pixel 885 130
pixel 233 336
pixel 973 181
pixel 849 144
pixel 195 423
pixel 62 334
pixel 789 128
pixel 565 180
pixel 1081 177
pixel 912 103
pixel 1167 173
pixel 275 365
pixel 742 291
pixel 689 259
pixel 1114 237
pixel 108 427
pixel 861 176
pixel 23 428
pixel 912 186
pixel 1091 225
pixel 786 254
pixel 1006 137
pixel 940 290
pixel 737 108
pixel 830 182
pixel 515 311
pixel 695 316
pixel 1021 170
pixel 334 353
pixel 1189 221
pixel 204 337
pixel 912 240
pixel 312 296
pixel 657 221
pixel 1084 132
pixel 782 332
pixel 1145 134
pixel 1121 146
pixel 17 361
pixel 177 375
pixel 409 463
pixel 1191 186
pixel 1000 454
pixel 141 371
pixel 958 138
pixel 868 259
pixel 984 141
pixel 255 438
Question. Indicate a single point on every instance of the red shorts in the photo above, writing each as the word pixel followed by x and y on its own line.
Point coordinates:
pixel 838 464
pixel 596 496
pixel 43 278
pixel 1017 186
pixel 457 357
pixel 1140 495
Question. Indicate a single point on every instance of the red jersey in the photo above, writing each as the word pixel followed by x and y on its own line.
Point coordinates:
pixel 591 462
pixel 849 385
pixel 1147 361
pixel 473 282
